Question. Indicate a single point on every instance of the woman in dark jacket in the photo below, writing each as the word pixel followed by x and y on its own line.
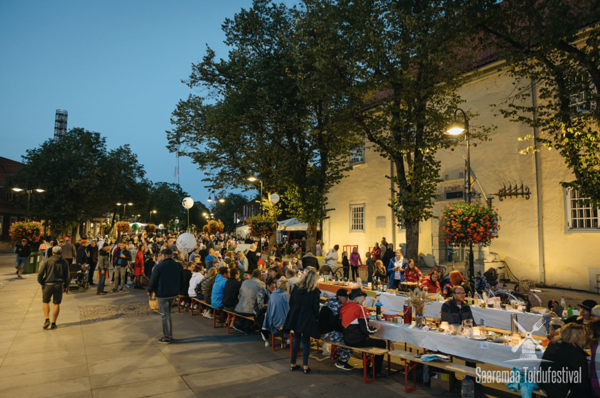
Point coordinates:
pixel 302 318
pixel 565 353
pixel 92 250
pixel 252 258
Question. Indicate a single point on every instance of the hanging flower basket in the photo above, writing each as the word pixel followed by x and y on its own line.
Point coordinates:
pixel 123 227
pixel 262 226
pixel 150 228
pixel 465 223
pixel 215 226
pixel 25 230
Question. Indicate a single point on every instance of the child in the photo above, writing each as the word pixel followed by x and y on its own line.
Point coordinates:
pixel 370 266
pixel 346 265
pixel 379 271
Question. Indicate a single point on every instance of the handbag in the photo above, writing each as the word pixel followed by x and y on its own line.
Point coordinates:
pixel 153 302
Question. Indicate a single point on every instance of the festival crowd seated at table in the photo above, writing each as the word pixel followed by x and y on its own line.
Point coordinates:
pixel 331 327
pixel 231 290
pixel 277 310
pixel 412 273
pixel 249 291
pixel 431 283
pixel 457 279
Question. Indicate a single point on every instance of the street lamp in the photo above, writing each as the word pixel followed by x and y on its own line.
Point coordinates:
pixel 124 206
pixel 29 192
pixel 152 212
pixel 457 128
pixel 252 179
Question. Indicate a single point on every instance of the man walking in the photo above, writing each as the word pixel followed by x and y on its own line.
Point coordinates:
pixel 165 283
pixel 68 251
pixel 121 259
pixel 23 251
pixel 103 262
pixel 54 278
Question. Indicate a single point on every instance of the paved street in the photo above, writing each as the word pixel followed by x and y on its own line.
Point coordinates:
pixel 106 346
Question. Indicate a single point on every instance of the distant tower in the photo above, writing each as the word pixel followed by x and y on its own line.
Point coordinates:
pixel 60 123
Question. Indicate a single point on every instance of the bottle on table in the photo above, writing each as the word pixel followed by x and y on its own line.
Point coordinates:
pixel 562 302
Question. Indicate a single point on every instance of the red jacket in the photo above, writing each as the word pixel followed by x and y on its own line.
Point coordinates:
pixel 412 275
pixel 355 323
pixel 432 287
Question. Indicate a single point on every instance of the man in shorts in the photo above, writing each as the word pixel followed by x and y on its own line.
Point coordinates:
pixel 54 278
pixel 23 251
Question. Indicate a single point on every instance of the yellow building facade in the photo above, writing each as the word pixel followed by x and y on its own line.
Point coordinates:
pixel 550 237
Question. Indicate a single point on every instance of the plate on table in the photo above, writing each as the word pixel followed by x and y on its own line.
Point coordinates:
pixel 478 337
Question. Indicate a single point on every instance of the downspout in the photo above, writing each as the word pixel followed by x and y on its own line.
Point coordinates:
pixel 538 181
pixel 393 216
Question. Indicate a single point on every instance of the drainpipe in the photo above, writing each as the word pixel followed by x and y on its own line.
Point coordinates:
pixel 538 181
pixel 393 216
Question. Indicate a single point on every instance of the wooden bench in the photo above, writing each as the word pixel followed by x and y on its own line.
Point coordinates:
pixel 214 312
pixel 185 299
pixel 232 315
pixel 200 303
pixel 368 356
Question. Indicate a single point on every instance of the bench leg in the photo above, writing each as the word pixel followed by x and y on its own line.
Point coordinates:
pixel 273 336
pixel 368 359
pixel 412 368
pixel 231 319
pixel 333 355
pixel 215 318
pixel 389 360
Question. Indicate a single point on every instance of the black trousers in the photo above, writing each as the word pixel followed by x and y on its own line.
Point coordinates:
pixel 369 342
pixel 354 273
pixel 91 273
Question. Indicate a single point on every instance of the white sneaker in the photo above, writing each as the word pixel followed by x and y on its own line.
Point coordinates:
pixel 209 316
pixel 205 313
pixel 267 344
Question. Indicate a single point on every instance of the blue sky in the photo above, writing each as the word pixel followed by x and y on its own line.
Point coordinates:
pixel 115 66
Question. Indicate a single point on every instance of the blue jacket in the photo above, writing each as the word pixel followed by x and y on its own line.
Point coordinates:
pixel 216 297
pixel 277 310
pixel 391 271
pixel 167 279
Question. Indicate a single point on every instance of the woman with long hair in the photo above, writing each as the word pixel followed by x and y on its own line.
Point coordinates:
pixel 138 266
pixel 566 355
pixel 302 317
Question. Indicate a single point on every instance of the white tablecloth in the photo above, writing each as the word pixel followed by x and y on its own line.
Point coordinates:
pixel 463 347
pixel 495 318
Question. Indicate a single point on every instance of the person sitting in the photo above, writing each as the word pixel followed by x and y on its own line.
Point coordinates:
pixel 309 260
pixel 209 260
pixel 379 272
pixel 292 279
pixel 232 290
pixel 277 310
pixel 431 283
pixel 248 292
pixel 395 269
pixel 207 285
pixel 357 329
pixel 196 278
pixel 566 354
pixel 456 279
pixel 187 276
pixel 274 272
pixel 331 328
pixel 216 298
pixel 262 301
pixel 456 310
pixel 593 333
pixel 585 313
pixel 412 273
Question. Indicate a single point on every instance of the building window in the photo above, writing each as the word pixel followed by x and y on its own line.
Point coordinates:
pixel 8 194
pixel 580 94
pixel 580 215
pixel 357 156
pixel 357 218
pixel 13 220
pixel 454 195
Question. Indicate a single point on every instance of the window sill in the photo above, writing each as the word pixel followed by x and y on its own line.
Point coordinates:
pixel 571 231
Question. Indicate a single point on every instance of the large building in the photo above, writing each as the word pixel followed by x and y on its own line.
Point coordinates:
pixel 548 235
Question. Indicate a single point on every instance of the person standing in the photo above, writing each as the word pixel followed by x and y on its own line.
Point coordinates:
pixel 92 250
pixel 165 283
pixel 23 251
pixel 396 268
pixel 103 263
pixel 54 278
pixel 252 258
pixel 82 258
pixel 302 318
pixel 121 259
pixel 332 257
pixel 355 262
pixel 376 252
pixel 138 268
pixel 68 251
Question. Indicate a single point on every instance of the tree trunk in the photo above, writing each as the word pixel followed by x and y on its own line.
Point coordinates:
pixel 311 238
pixel 272 241
pixel 412 240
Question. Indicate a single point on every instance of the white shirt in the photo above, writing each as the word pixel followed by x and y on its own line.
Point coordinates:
pixel 332 259
pixel 196 278
pixel 398 274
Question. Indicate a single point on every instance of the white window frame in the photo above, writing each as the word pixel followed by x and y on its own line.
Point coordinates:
pixel 577 214
pixel 357 156
pixel 354 224
pixel 580 97
pixel 9 195
pixel 13 220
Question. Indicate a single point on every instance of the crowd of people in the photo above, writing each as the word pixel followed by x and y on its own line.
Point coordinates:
pixel 282 296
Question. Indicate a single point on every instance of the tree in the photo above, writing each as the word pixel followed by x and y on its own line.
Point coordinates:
pixel 267 97
pixel 166 199
pixel 400 64
pixel 226 211
pixel 554 46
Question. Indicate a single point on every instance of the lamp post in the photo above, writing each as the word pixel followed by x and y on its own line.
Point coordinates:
pixel 261 189
pixel 124 206
pixel 152 212
pixel 29 192
pixel 457 128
